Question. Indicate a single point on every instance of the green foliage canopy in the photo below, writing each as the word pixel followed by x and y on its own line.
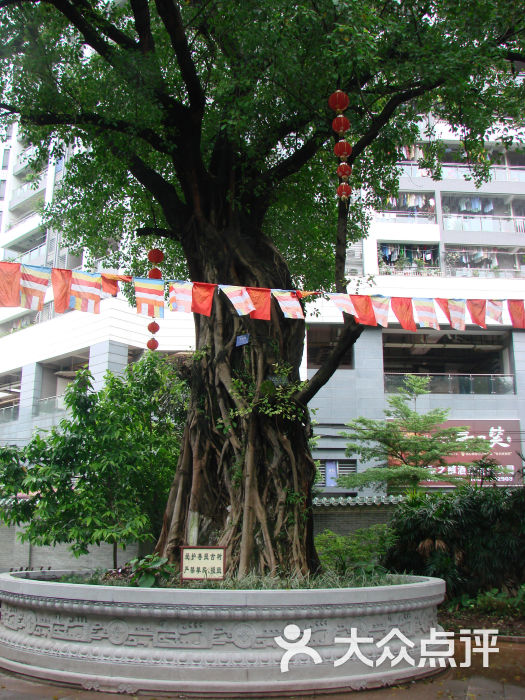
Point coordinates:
pixel 103 475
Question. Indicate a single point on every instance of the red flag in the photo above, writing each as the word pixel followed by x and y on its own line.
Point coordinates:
pixel 202 297
pixel 364 309
pixel 10 276
pixel 477 310
pixel 61 281
pixel 262 300
pixel 517 312
pixel 110 282
pixel 402 307
pixel 443 304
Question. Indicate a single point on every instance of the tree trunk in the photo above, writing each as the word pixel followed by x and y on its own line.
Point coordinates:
pixel 245 474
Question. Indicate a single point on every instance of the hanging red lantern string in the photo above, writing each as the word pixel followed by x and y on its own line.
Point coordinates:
pixel 342 149
pixel 338 101
pixel 340 125
pixel 344 191
pixel 155 256
pixel 344 171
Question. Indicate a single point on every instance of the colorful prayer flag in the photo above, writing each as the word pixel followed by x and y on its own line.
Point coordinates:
pixel 9 284
pixel 495 310
pixel 426 313
pixel 364 309
pixel 180 296
pixel 202 297
pixel 110 283
pixel 517 312
pixel 149 297
pixel 86 290
pixel 443 305
pixel 61 281
pixel 289 303
pixel 239 297
pixel 456 308
pixel 343 303
pixel 402 308
pixel 477 310
pixel 381 306
pixel 262 300
pixel 34 282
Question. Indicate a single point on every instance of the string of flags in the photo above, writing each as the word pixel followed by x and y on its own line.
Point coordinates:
pixel 26 285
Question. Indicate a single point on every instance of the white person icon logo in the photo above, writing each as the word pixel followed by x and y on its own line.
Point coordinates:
pixel 294 645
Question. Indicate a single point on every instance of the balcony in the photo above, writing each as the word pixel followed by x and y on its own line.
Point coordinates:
pixel 53 405
pixel 451 171
pixel 456 383
pixel 35 256
pixel 9 414
pixel 405 217
pixel 27 196
pixel 21 165
pixel 491 224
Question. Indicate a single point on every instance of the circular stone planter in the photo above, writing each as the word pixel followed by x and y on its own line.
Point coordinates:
pixel 210 642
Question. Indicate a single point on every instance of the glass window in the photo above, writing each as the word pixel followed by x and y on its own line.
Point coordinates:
pixel 5 158
pixel 320 339
pixel 2 188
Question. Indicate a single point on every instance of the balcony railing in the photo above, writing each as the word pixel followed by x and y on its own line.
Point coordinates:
pixel 53 404
pixel 33 256
pixel 406 217
pixel 9 414
pixel 491 274
pixel 499 173
pixel 456 383
pixel 494 224
pixel 410 271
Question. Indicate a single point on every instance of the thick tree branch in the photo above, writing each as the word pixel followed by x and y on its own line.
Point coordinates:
pixel 350 333
pixel 170 14
pixel 142 18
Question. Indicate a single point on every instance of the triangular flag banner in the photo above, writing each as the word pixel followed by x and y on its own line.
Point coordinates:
pixel 426 313
pixel 110 282
pixel 239 297
pixel 381 306
pixel 180 296
pixel 517 312
pixel 456 309
pixel 495 310
pixel 477 309
pixel 149 297
pixel 443 305
pixel 61 281
pixel 34 282
pixel 302 294
pixel 9 284
pixel 202 297
pixel 262 300
pixel 86 290
pixel 343 303
pixel 364 310
pixel 289 303
pixel 402 308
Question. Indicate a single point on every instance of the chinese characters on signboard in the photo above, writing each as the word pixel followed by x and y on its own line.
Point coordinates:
pixel 504 444
pixel 198 563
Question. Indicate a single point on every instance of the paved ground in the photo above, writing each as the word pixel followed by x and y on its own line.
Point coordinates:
pixel 503 680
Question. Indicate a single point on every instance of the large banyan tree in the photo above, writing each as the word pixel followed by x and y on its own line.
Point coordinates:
pixel 203 127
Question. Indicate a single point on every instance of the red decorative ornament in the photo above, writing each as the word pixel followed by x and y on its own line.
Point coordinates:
pixel 153 327
pixel 152 344
pixel 344 171
pixel 338 101
pixel 155 274
pixel 340 124
pixel 155 256
pixel 344 191
pixel 342 149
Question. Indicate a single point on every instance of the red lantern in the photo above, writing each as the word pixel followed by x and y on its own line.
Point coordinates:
pixel 155 274
pixel 344 171
pixel 155 256
pixel 153 327
pixel 342 149
pixel 344 191
pixel 152 344
pixel 338 101
pixel 340 124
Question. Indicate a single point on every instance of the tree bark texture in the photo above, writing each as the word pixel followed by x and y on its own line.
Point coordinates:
pixel 245 475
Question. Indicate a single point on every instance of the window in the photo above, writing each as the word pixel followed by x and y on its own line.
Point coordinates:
pixel 5 158
pixel 2 188
pixel 320 339
pixel 331 469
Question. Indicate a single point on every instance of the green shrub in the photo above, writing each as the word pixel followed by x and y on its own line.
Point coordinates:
pixel 493 601
pixel 362 549
pixel 474 538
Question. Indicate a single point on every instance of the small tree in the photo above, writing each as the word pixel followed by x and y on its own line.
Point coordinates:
pixel 103 475
pixel 408 444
